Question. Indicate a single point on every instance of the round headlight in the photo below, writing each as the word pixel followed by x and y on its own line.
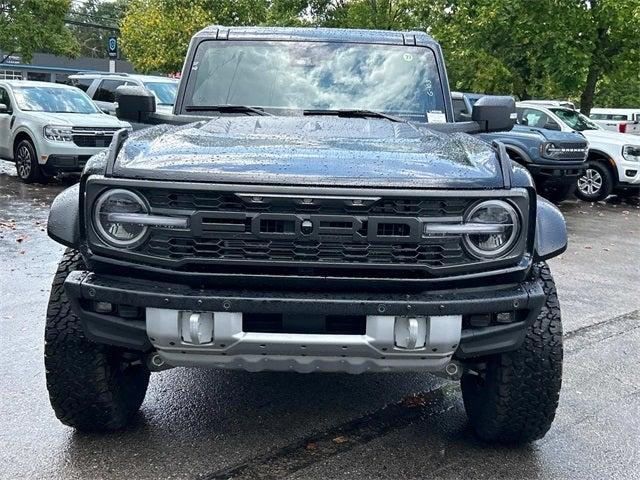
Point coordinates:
pixel 108 206
pixel 498 222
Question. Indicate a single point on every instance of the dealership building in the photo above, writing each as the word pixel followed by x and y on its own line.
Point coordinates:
pixel 45 67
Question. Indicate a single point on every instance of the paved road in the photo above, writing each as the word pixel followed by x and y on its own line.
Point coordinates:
pixel 198 424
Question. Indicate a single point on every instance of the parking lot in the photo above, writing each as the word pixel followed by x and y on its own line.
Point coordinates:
pixel 226 424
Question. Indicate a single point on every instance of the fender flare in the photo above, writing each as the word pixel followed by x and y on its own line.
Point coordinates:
pixel 64 217
pixel 20 129
pixel 551 231
pixel 519 150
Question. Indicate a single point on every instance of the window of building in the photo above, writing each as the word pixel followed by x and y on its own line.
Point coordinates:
pixel 10 75
pixel 39 76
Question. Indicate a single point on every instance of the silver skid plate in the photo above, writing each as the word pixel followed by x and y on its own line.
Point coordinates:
pixel 216 340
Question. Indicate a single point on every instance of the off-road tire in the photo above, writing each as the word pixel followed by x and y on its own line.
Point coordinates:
pixel 27 166
pixel 514 399
pixel 91 387
pixel 607 182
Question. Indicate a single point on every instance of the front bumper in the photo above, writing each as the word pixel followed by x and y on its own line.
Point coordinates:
pixel 57 157
pixel 556 173
pixel 65 163
pixel 159 329
pixel 629 173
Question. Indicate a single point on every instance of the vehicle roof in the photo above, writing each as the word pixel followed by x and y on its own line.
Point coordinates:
pixel 219 32
pixel 551 103
pixel 32 83
pixel 615 110
pixel 540 105
pixel 135 76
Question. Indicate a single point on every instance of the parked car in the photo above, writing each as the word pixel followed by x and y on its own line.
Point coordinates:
pixel 553 103
pixel 554 159
pixel 613 161
pixel 101 87
pixel 621 120
pixel 308 214
pixel 46 128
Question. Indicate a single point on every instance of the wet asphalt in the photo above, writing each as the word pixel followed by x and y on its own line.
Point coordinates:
pixel 200 424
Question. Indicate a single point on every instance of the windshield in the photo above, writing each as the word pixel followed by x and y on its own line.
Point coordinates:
pixel 165 92
pixel 54 100
pixel 574 120
pixel 285 77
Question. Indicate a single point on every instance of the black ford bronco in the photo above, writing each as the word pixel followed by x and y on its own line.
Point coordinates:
pixel 309 206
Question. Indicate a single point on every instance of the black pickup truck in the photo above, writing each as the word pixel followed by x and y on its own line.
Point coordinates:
pixel 309 206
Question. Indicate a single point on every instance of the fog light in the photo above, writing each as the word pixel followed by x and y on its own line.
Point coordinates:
pixel 410 332
pixel 504 317
pixel 196 327
pixel 102 307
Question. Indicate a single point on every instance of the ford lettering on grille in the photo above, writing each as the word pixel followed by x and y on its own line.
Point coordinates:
pixel 276 226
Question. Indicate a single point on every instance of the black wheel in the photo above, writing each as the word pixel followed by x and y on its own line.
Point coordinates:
pixel 596 183
pixel 514 397
pixel 27 165
pixel 91 387
pixel 558 193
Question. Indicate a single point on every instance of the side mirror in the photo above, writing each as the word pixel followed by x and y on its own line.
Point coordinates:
pixel 4 108
pixel 495 113
pixel 552 126
pixel 135 103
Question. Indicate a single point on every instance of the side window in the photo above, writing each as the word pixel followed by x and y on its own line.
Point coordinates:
pixel 106 91
pixel 4 97
pixel 82 83
pixel 459 108
pixel 536 118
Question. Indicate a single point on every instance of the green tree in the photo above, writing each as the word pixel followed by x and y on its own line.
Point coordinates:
pixel 155 34
pixel 29 26
pixel 94 13
pixel 538 49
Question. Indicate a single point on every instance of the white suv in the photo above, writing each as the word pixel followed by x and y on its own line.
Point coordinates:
pixel 47 128
pixel 101 87
pixel 613 161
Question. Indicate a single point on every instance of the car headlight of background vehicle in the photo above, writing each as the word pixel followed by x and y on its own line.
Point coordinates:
pixel 112 218
pixel 631 153
pixel 496 226
pixel 58 133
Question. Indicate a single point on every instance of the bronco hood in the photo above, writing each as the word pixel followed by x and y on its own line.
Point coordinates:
pixel 329 151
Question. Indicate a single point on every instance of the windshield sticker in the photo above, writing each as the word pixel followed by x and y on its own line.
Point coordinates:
pixel 407 57
pixel 436 117
pixel 429 87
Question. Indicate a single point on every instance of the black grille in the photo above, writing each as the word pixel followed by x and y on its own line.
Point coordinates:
pixel 92 137
pixel 572 156
pixel 229 202
pixel 446 252
pixel 92 141
pixel 321 235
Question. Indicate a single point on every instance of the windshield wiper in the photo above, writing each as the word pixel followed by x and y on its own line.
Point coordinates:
pixel 354 113
pixel 227 109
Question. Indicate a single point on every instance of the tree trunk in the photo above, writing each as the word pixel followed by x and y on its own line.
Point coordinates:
pixel 589 90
